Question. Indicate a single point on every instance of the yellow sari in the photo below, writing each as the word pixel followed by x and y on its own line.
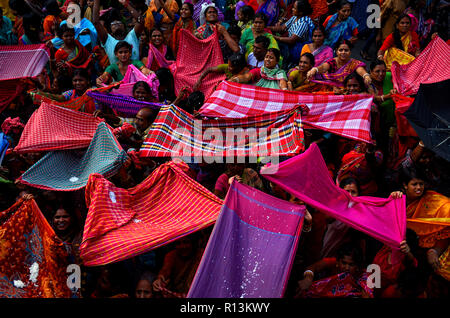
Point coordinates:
pixel 402 57
pixel 429 217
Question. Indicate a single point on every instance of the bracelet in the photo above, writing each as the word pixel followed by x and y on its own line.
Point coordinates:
pixel 380 57
pixel 315 69
pixel 307 230
pixel 308 271
pixel 367 74
pixel 382 98
pixel 421 144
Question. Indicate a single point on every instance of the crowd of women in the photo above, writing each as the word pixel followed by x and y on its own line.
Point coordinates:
pixel 285 45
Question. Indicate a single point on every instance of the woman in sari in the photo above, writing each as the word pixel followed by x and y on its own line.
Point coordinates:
pixel 72 54
pixel 341 25
pixel 163 12
pixel 184 22
pixel 299 28
pixel 269 75
pixel 271 9
pixel 428 214
pixel 198 4
pixel 297 80
pixel 402 45
pixel 335 70
pixel 245 15
pixel 320 51
pixel 159 54
pixel 258 28
pixel 7 36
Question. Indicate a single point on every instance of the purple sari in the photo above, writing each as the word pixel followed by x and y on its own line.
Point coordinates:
pixel 322 54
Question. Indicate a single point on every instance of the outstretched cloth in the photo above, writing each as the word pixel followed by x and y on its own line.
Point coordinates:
pixel 123 223
pixel 429 67
pixel 127 106
pixel 18 62
pixel 251 248
pixel 177 133
pixel 402 103
pixel 57 128
pixel 344 115
pixel 132 76
pixel 33 259
pixel 69 170
pixel 306 177
pixel 195 56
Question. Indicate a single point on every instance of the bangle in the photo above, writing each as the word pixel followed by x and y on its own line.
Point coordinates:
pixel 380 57
pixel 382 98
pixel 367 74
pixel 421 144
pixel 307 230
pixel 315 69
pixel 308 271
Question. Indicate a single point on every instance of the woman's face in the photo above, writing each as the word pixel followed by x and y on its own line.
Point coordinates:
pixel 414 188
pixel 295 11
pixel 304 65
pixel 378 73
pixel 68 38
pixel 343 52
pixel 144 289
pixel 156 38
pixel 353 86
pixel 240 16
pixel 352 189
pixel 403 25
pixel 141 94
pixel 347 264
pixel 61 220
pixel 123 55
pixel 80 83
pixel 318 37
pixel 258 25
pixel 345 12
pixel 185 12
pixel 270 60
pixel 211 15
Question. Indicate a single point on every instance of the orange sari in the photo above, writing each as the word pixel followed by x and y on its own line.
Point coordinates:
pixel 429 217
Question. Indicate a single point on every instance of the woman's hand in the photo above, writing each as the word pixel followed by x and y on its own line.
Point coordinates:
pixel 396 194
pixel 304 284
pixel 433 259
pixel 158 283
pixel 367 79
pixel 238 179
pixel 311 73
pixel 404 247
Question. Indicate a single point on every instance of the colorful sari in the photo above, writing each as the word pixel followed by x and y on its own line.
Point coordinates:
pixel 248 39
pixel 205 30
pixel 198 10
pixel 342 30
pixel 270 77
pixel 335 76
pixel 429 217
pixel 271 10
pixel 79 58
pixel 393 54
pixel 322 54
pixel 300 83
pixel 158 56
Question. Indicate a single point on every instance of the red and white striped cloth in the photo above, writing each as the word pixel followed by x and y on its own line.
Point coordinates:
pixel 123 223
pixel 57 128
pixel 344 115
pixel 19 61
pixel 431 66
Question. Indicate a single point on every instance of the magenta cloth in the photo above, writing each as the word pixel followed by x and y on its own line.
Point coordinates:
pixel 222 183
pixel 132 76
pixel 306 177
pixel 153 52
pixel 431 66
pixel 251 248
pixel 343 115
pixel 193 57
pixel 21 61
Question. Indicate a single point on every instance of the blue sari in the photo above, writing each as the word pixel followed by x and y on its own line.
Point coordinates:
pixel 343 30
pixel 271 10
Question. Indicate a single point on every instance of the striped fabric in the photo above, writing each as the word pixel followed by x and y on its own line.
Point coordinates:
pixel 57 128
pixel 252 247
pixel 67 170
pixel 177 133
pixel 123 223
pixel 19 61
pixel 126 106
pixel 431 66
pixel 344 115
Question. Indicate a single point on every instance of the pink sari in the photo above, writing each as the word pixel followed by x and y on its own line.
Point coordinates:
pixel 160 57
pixel 335 76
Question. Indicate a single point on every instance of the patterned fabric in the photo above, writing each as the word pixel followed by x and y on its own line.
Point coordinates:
pixel 401 57
pixel 67 171
pixel 427 68
pixel 4 144
pixel 253 241
pixel 193 57
pixel 343 30
pixel 344 115
pixel 306 177
pixel 125 105
pixel 322 54
pixel 19 61
pixel 56 128
pixel 122 223
pixel 132 76
pixel 33 259
pixel 12 125
pixel 176 133
pixel 336 76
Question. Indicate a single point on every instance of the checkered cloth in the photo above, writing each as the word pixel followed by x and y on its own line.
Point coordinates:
pixel 344 115
pixel 19 61
pixel 176 133
pixel 57 128
pixel 67 171
pixel 123 223
pixel 431 66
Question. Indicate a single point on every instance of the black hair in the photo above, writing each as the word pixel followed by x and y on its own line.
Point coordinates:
pixel 235 30
pixel 375 63
pixel 396 34
pixel 51 7
pixel 343 41
pixel 349 249
pixel 143 85
pixel 248 12
pixel 82 72
pixel 349 180
pixel 238 60
pixel 310 57
pixel 275 52
pixel 209 7
pixel 342 3
pixel 409 173
pixel 264 40
pixel 155 29
pixel 358 78
pixel 63 29
pixel 304 7
pixel 261 16
pixel 122 44
pixel 196 100
pixel 321 28
pixel 190 5
pixel 166 80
